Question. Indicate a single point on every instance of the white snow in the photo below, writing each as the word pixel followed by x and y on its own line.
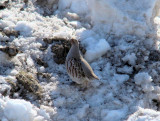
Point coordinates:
pixel 130 58
pixel 125 69
pixel 18 110
pixel 79 6
pixel 118 37
pixel 120 78
pixel 59 101
pixel 112 115
pixel 144 79
pixel 24 27
pixel 63 4
pixel 145 115
pixel 82 112
pixel 121 16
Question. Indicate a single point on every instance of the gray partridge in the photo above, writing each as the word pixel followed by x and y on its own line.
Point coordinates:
pixel 77 67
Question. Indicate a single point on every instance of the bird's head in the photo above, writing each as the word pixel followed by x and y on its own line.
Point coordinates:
pixel 74 42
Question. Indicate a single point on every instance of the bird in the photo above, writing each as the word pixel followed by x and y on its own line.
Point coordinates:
pixel 77 67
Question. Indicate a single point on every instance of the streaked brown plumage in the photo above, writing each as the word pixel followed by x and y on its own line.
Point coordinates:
pixel 77 67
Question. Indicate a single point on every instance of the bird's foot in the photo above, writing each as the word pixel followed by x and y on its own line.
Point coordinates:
pixel 83 89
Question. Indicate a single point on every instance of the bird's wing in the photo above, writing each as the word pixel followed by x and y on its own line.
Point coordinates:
pixel 88 70
pixel 74 68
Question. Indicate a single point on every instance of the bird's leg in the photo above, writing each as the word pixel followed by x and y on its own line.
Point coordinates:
pixel 84 86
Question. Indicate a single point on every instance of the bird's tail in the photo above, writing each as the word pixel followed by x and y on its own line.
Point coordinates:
pixel 96 77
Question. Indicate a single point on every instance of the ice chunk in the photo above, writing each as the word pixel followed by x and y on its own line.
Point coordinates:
pixel 142 77
pixel 130 58
pixel 96 49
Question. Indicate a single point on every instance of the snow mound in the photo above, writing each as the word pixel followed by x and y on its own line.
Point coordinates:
pixel 95 49
pixel 19 110
pixel 113 16
pixel 145 115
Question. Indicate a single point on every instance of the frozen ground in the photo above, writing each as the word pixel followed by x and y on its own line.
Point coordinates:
pixel 121 43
